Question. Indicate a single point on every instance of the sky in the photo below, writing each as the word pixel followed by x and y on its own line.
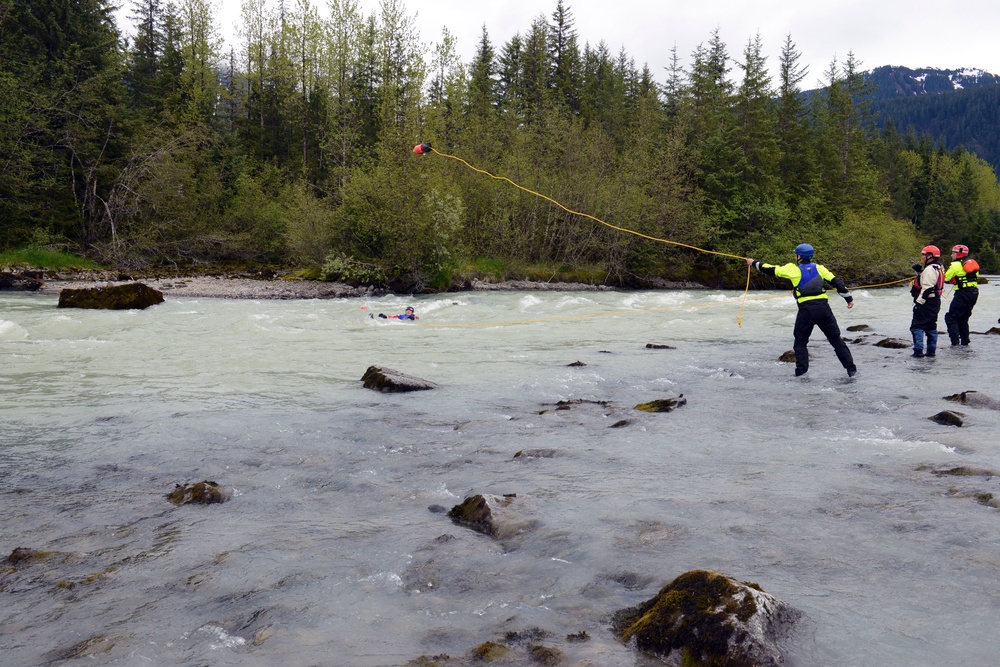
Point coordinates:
pixel 911 33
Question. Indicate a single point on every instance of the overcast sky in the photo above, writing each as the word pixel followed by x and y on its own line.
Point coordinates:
pixel 911 33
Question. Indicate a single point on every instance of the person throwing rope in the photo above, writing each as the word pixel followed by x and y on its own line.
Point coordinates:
pixel 808 278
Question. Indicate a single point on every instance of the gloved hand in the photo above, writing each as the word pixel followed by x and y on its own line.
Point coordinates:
pixel 917 268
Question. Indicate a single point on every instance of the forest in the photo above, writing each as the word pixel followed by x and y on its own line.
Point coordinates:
pixel 294 148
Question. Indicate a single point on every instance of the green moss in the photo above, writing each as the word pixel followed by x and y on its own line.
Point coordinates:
pixel 25 555
pixel 489 651
pixel 661 405
pixel 685 616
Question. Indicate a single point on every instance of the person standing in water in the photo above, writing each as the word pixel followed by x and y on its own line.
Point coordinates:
pixel 808 278
pixel 963 273
pixel 926 293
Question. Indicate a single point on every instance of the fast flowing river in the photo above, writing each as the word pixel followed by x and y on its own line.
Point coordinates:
pixel 825 491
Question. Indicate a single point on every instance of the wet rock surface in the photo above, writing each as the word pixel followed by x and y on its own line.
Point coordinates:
pixel 202 493
pixel 21 281
pixel 390 381
pixel 706 618
pixel 133 296
pixel 662 404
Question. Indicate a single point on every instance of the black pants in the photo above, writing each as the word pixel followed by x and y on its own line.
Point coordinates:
pixel 817 313
pixel 959 312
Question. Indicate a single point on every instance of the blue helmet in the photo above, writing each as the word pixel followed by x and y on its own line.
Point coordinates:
pixel 805 250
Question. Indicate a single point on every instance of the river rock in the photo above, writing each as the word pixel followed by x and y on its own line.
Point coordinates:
pixel 22 281
pixel 706 618
pixel 894 343
pixel 203 493
pixel 27 555
pixel 662 404
pixel 788 357
pixel 491 515
pixel 390 381
pixel 948 418
pixel 134 296
pixel 859 327
pixel 975 399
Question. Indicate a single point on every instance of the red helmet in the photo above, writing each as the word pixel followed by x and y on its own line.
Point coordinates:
pixel 931 250
pixel 960 251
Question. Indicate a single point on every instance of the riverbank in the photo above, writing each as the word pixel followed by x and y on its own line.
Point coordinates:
pixel 227 287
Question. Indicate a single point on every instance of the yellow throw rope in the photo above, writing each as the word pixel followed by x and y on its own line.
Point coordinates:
pixel 426 147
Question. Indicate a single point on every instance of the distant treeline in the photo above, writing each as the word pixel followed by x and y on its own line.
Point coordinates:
pixel 296 148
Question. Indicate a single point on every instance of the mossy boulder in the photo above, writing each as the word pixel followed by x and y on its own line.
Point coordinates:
pixel 134 296
pixel 389 381
pixel 489 652
pixel 706 618
pixel 25 555
pixel 662 404
pixel 203 493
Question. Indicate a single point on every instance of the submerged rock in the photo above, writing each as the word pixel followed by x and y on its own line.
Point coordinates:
pixel 203 492
pixel 114 297
pixel 662 404
pixel 894 343
pixel 948 418
pixel 975 399
pixel 388 381
pixel 788 356
pixel 26 555
pixel 706 618
pixel 859 327
pixel 659 346
pixel 491 515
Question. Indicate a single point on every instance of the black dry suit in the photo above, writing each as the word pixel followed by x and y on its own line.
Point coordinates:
pixel 808 280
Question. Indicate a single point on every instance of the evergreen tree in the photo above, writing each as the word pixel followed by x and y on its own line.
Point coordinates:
pixel 61 62
pixel 564 52
pixel 796 166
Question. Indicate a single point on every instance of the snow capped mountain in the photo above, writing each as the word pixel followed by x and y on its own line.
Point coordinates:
pixel 893 81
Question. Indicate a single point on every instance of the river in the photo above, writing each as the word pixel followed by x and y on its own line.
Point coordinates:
pixel 824 490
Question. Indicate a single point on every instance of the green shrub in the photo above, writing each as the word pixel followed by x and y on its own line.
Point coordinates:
pixel 340 268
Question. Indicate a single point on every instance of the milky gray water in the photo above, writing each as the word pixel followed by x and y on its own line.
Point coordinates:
pixel 820 489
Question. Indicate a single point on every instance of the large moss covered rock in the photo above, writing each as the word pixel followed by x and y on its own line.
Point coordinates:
pixel 113 297
pixel 706 618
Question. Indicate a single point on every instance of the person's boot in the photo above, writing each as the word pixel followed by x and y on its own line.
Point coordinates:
pixel 917 353
pixel 931 352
